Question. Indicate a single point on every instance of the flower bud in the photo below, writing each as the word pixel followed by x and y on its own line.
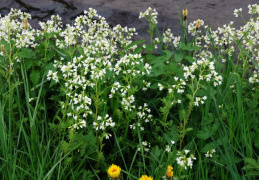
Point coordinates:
pixel 2 48
pixel 185 14
pixel 198 24
pixel 25 23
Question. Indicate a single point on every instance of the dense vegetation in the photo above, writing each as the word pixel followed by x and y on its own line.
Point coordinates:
pixel 76 99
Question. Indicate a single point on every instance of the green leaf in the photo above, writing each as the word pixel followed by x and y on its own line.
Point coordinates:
pixel 28 63
pixel 149 48
pixel 178 57
pixel 188 47
pixel 189 58
pixel 151 57
pixel 208 147
pixel 168 54
pixel 35 77
pixel 172 67
pixel 26 53
pixel 49 66
pixel 137 50
pixel 135 43
pixel 50 55
pixel 86 144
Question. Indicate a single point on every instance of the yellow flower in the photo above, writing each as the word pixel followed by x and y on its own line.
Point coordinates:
pixel 198 24
pixel 145 177
pixel 169 172
pixel 185 14
pixel 114 171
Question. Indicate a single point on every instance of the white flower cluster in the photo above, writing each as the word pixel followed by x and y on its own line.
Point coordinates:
pixel 174 90
pixel 52 75
pixel 143 116
pixel 237 12
pixel 169 39
pixel 169 146
pixel 127 103
pixel 183 161
pixel 101 63
pixel 226 39
pixel 209 153
pixel 203 69
pixel 15 29
pixel 103 122
pixel 146 85
pixel 192 27
pixel 145 145
pixel 150 14
pixel 124 35
pixel 254 78
pixel 54 25
pixel 167 36
pixel 199 100
pixel 252 9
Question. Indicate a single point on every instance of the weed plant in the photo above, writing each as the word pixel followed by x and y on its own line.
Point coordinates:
pixel 84 101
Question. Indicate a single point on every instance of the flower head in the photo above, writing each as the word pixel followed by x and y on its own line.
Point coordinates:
pixel 169 172
pixel 145 177
pixel 114 171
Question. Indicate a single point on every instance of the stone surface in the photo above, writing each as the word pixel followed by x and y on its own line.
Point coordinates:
pixel 126 12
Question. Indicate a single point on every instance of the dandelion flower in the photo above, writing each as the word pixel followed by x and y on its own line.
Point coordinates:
pixel 145 177
pixel 169 172
pixel 114 171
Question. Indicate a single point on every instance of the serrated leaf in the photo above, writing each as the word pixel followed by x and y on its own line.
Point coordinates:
pixel 28 63
pixel 189 58
pixel 65 146
pixel 168 54
pixel 85 143
pixel 252 162
pixel 35 77
pixel 204 134
pixel 172 67
pixel 178 57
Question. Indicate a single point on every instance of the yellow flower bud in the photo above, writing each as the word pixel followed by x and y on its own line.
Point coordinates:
pixel 2 48
pixel 198 24
pixel 25 23
pixel 185 14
